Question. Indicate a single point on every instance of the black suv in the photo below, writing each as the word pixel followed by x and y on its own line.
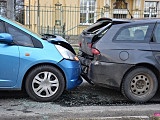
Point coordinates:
pixel 124 55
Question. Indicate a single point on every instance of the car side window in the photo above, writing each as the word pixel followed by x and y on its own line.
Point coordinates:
pixel 157 34
pixel 132 33
pixel 19 37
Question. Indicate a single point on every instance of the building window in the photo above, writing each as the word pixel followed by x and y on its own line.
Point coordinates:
pixel 119 15
pixel 120 9
pixel 87 11
pixel 150 9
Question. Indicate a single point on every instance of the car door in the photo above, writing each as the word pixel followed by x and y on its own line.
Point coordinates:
pixel 25 44
pixel 155 42
pixel 9 63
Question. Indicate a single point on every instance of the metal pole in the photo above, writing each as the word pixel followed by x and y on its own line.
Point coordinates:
pixel 38 17
pixel 29 12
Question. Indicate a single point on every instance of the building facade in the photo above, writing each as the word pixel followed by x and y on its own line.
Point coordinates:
pixel 71 17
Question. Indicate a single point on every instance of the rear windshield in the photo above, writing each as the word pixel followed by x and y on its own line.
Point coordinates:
pixel 96 26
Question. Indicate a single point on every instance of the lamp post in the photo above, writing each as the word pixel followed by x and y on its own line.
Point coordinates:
pixel 38 16
pixel 107 9
pixel 58 14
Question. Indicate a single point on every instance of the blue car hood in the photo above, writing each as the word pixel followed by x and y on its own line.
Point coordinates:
pixel 58 40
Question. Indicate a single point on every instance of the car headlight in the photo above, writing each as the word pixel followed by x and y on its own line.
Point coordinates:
pixel 66 53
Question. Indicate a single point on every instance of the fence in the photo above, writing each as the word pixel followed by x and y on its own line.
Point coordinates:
pixel 61 20
pixel 70 21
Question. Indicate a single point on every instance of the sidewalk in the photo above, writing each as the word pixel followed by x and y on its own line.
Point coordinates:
pixel 48 111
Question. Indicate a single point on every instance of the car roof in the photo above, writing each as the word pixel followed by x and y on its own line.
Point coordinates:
pixel 146 20
pixel 135 20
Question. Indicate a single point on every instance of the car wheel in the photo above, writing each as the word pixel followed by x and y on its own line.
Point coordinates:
pixel 139 85
pixel 45 83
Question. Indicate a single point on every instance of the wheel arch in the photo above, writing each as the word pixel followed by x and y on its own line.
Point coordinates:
pixel 146 65
pixel 31 68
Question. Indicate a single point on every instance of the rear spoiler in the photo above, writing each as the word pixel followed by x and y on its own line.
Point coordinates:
pixel 114 20
pixel 104 19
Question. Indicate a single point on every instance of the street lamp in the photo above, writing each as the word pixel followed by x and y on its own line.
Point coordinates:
pixel 107 8
pixel 58 14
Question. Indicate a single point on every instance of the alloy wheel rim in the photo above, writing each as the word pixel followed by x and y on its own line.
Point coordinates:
pixel 140 84
pixel 45 84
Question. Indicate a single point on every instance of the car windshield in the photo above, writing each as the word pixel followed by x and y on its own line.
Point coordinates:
pixel 96 27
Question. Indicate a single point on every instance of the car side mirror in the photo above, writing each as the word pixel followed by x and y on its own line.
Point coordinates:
pixel 6 38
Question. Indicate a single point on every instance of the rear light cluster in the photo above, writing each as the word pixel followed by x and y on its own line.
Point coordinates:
pixel 95 51
pixel 80 44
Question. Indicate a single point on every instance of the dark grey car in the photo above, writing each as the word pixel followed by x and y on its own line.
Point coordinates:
pixel 92 34
pixel 127 58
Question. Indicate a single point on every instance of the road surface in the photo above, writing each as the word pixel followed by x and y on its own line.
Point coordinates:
pixel 84 102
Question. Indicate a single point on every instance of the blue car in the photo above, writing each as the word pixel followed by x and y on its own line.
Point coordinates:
pixel 44 65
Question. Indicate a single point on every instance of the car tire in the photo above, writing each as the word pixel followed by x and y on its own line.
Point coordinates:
pixel 139 85
pixel 45 83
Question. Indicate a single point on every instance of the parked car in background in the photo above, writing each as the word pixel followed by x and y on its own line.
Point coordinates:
pixel 126 57
pixel 43 65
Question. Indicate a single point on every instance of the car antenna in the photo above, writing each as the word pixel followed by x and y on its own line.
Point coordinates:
pixel 128 9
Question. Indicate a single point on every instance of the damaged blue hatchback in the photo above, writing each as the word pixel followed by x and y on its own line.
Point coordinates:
pixel 44 65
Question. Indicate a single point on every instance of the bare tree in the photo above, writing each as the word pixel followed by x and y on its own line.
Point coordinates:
pixel 3 7
pixel 19 11
pixel 11 9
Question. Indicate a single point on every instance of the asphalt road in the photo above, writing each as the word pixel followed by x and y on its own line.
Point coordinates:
pixel 84 102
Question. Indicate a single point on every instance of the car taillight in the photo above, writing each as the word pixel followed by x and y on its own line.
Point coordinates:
pixel 80 44
pixel 95 51
pixel 89 45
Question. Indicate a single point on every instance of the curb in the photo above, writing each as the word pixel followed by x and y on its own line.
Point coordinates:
pixel 115 118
